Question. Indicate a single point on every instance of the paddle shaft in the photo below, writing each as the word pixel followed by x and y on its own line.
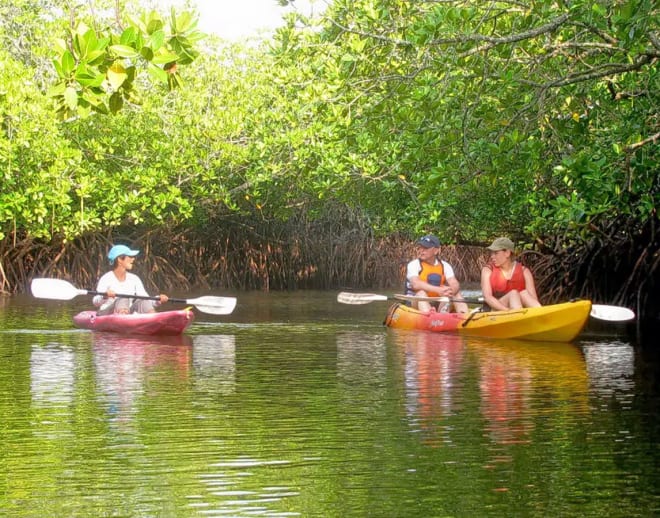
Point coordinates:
pixel 206 304
pixel 365 298
pixel 141 297
pixel 467 300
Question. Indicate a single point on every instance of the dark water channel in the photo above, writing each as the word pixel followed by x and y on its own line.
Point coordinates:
pixel 295 405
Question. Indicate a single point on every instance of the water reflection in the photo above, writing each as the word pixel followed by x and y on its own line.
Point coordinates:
pixel 359 353
pixel 342 418
pixel 611 367
pixel 123 363
pixel 515 376
pixel 505 386
pixel 214 363
pixel 432 364
pixel 51 375
pixel 515 383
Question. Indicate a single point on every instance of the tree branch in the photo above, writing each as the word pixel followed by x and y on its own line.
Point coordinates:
pixel 492 40
pixel 652 139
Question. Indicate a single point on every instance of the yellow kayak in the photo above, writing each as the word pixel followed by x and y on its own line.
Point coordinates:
pixel 553 323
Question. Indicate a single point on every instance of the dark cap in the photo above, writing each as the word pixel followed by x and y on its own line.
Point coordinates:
pixel 429 241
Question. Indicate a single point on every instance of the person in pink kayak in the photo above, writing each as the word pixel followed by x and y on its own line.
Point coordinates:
pixel 120 280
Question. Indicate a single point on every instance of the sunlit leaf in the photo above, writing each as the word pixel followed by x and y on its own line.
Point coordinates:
pixel 116 75
pixel 124 51
pixel 71 97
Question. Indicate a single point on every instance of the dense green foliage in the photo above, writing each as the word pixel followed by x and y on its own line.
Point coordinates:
pixel 471 118
pixel 97 69
pixel 479 118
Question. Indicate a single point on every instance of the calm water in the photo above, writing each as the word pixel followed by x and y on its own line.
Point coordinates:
pixel 295 405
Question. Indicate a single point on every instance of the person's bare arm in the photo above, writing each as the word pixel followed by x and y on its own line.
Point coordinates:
pixel 420 285
pixel 487 291
pixel 529 296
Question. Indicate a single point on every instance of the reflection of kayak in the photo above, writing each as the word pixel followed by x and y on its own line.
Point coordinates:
pixel 136 341
pixel 554 323
pixel 163 323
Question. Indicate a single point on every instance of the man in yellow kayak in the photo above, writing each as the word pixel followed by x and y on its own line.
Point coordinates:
pixel 430 276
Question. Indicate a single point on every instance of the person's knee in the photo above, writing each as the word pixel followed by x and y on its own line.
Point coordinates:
pixel 514 299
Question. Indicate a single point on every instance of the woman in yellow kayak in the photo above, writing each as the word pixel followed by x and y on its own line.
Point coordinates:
pixel 505 283
pixel 120 280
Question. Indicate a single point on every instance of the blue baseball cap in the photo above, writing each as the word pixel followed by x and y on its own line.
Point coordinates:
pixel 429 241
pixel 118 250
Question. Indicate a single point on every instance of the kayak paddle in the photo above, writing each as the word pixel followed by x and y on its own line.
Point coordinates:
pixel 348 297
pixel 58 289
pixel 611 313
pixel 598 311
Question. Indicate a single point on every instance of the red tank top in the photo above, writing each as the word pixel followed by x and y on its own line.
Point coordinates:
pixel 501 285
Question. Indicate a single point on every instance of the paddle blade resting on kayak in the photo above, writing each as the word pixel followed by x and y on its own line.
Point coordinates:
pixel 612 313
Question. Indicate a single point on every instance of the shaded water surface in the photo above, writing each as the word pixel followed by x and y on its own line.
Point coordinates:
pixel 295 405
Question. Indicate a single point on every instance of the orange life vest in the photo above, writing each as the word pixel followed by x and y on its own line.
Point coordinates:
pixel 501 285
pixel 433 274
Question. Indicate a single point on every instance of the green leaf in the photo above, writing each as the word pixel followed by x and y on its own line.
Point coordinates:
pixel 157 73
pixel 165 57
pixel 184 22
pixel 157 40
pixel 67 64
pixel 124 51
pixel 116 102
pixel 71 98
pixel 116 75
pixel 58 69
pixel 147 53
pixel 86 43
pixel 87 77
pixel 93 98
pixel 95 57
pixel 128 37
pixel 155 25
pixel 57 90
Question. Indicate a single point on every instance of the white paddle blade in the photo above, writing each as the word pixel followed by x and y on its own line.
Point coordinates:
pixel 55 289
pixel 214 305
pixel 346 297
pixel 611 313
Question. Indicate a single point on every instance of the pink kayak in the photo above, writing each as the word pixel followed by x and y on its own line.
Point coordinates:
pixel 163 323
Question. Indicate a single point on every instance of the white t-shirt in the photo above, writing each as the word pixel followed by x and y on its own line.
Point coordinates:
pixel 132 285
pixel 415 268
